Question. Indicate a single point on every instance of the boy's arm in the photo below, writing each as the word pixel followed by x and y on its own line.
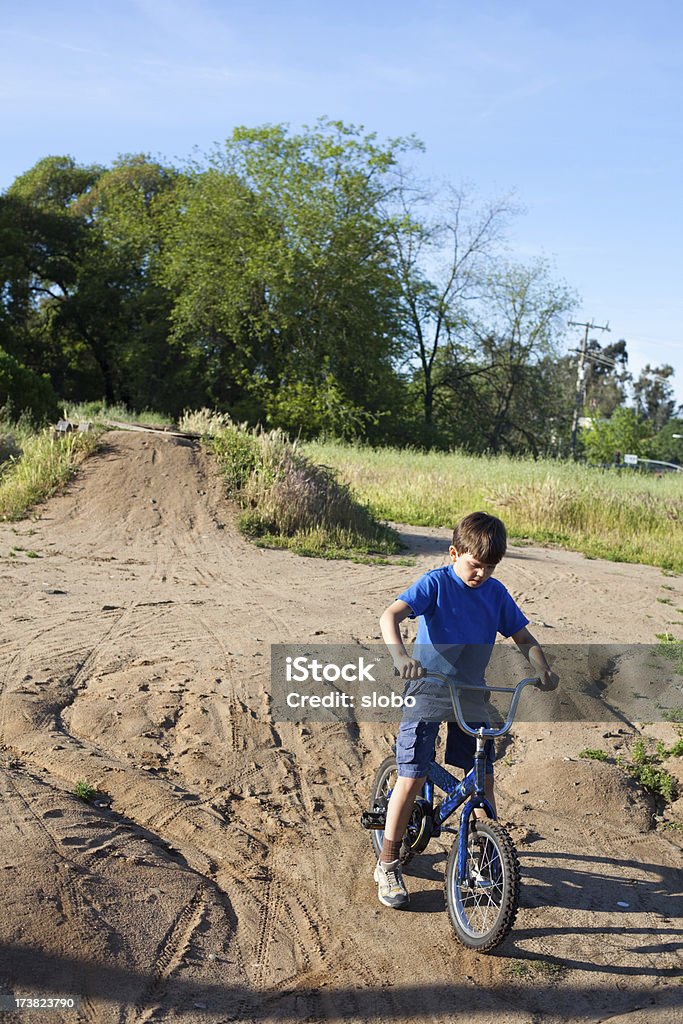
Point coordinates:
pixel 407 667
pixel 533 652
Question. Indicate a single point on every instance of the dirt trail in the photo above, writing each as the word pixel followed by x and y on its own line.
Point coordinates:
pixel 222 874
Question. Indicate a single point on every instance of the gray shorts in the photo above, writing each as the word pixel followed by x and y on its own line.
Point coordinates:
pixel 416 740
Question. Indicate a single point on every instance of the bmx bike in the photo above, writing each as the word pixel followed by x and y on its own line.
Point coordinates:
pixel 482 878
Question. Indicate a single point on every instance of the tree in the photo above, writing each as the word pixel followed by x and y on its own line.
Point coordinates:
pixel 606 441
pixel 509 394
pixel 654 395
pixel 440 265
pixel 42 241
pixel 606 377
pixel 667 445
pixel 24 391
pixel 81 300
pixel 283 271
pixel 120 307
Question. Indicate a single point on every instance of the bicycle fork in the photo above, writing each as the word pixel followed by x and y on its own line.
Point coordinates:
pixel 479 800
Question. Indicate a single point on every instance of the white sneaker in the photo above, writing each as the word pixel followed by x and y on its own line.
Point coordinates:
pixel 391 890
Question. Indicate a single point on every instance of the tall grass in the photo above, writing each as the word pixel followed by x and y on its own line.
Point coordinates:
pixel 287 500
pixel 38 468
pixel 99 412
pixel 603 513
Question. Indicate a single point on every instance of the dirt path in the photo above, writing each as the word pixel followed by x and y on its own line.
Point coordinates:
pixel 222 874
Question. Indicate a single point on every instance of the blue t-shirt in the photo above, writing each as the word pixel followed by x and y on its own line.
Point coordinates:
pixel 458 624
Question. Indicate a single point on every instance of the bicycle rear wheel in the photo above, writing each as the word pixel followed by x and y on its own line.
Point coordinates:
pixel 418 832
pixel 483 904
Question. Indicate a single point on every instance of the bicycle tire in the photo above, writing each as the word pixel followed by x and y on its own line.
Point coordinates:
pixel 482 913
pixel 418 832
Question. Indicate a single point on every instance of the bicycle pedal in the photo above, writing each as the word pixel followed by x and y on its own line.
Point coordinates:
pixel 373 819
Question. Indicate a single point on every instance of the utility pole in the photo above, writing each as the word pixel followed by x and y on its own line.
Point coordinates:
pixel 581 376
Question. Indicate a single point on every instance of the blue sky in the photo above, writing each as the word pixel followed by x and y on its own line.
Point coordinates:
pixel 576 107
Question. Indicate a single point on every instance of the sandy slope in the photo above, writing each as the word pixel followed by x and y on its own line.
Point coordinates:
pixel 222 875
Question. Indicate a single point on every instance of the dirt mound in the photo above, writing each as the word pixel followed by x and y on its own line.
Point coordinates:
pixel 222 874
pixel 589 792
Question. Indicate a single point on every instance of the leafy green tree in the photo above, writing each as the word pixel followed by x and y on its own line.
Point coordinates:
pixel 41 242
pixel 120 307
pixel 606 441
pixel 667 444
pixel 509 392
pixel 22 390
pixel 286 270
pixel 607 377
pixel 80 296
pixel 654 395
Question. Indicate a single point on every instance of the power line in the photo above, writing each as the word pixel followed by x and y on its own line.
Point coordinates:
pixel 592 357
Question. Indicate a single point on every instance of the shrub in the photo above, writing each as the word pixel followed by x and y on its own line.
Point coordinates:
pixel 286 496
pixel 645 769
pixel 24 390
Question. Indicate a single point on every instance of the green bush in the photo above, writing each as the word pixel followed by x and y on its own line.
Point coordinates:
pixel 288 500
pixel 22 390
pixel 646 770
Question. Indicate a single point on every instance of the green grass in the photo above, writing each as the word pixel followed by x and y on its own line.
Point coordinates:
pixel 43 466
pixel 671 648
pixel 289 501
pixel 646 769
pixel 593 754
pixel 536 968
pixel 602 513
pixel 676 750
pixel 84 791
pixel 98 412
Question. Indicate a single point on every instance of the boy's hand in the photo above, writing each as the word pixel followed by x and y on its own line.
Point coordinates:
pixel 549 680
pixel 408 668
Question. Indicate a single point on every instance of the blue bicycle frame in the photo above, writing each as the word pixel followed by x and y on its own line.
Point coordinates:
pixel 470 791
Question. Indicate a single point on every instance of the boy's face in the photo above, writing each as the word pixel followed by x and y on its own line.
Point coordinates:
pixel 469 569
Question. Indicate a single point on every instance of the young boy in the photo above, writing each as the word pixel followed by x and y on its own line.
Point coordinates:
pixel 461 608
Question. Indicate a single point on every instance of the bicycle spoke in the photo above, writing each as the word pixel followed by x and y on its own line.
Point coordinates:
pixel 482 903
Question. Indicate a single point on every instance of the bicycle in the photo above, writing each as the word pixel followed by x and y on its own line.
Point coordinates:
pixel 482 878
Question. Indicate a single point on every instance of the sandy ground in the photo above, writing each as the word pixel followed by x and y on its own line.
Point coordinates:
pixel 221 873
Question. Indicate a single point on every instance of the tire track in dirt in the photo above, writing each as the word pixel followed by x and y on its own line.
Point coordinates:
pixel 169 956
pixel 77 908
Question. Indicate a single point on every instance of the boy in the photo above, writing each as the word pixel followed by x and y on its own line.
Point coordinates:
pixel 461 609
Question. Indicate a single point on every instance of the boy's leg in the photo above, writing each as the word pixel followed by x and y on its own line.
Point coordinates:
pixel 401 803
pixel 460 753
pixel 414 752
pixel 391 890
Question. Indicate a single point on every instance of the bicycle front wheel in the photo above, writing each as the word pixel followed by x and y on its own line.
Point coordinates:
pixel 482 905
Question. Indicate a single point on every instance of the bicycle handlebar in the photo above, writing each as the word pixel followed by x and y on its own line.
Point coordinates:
pixel 455 700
